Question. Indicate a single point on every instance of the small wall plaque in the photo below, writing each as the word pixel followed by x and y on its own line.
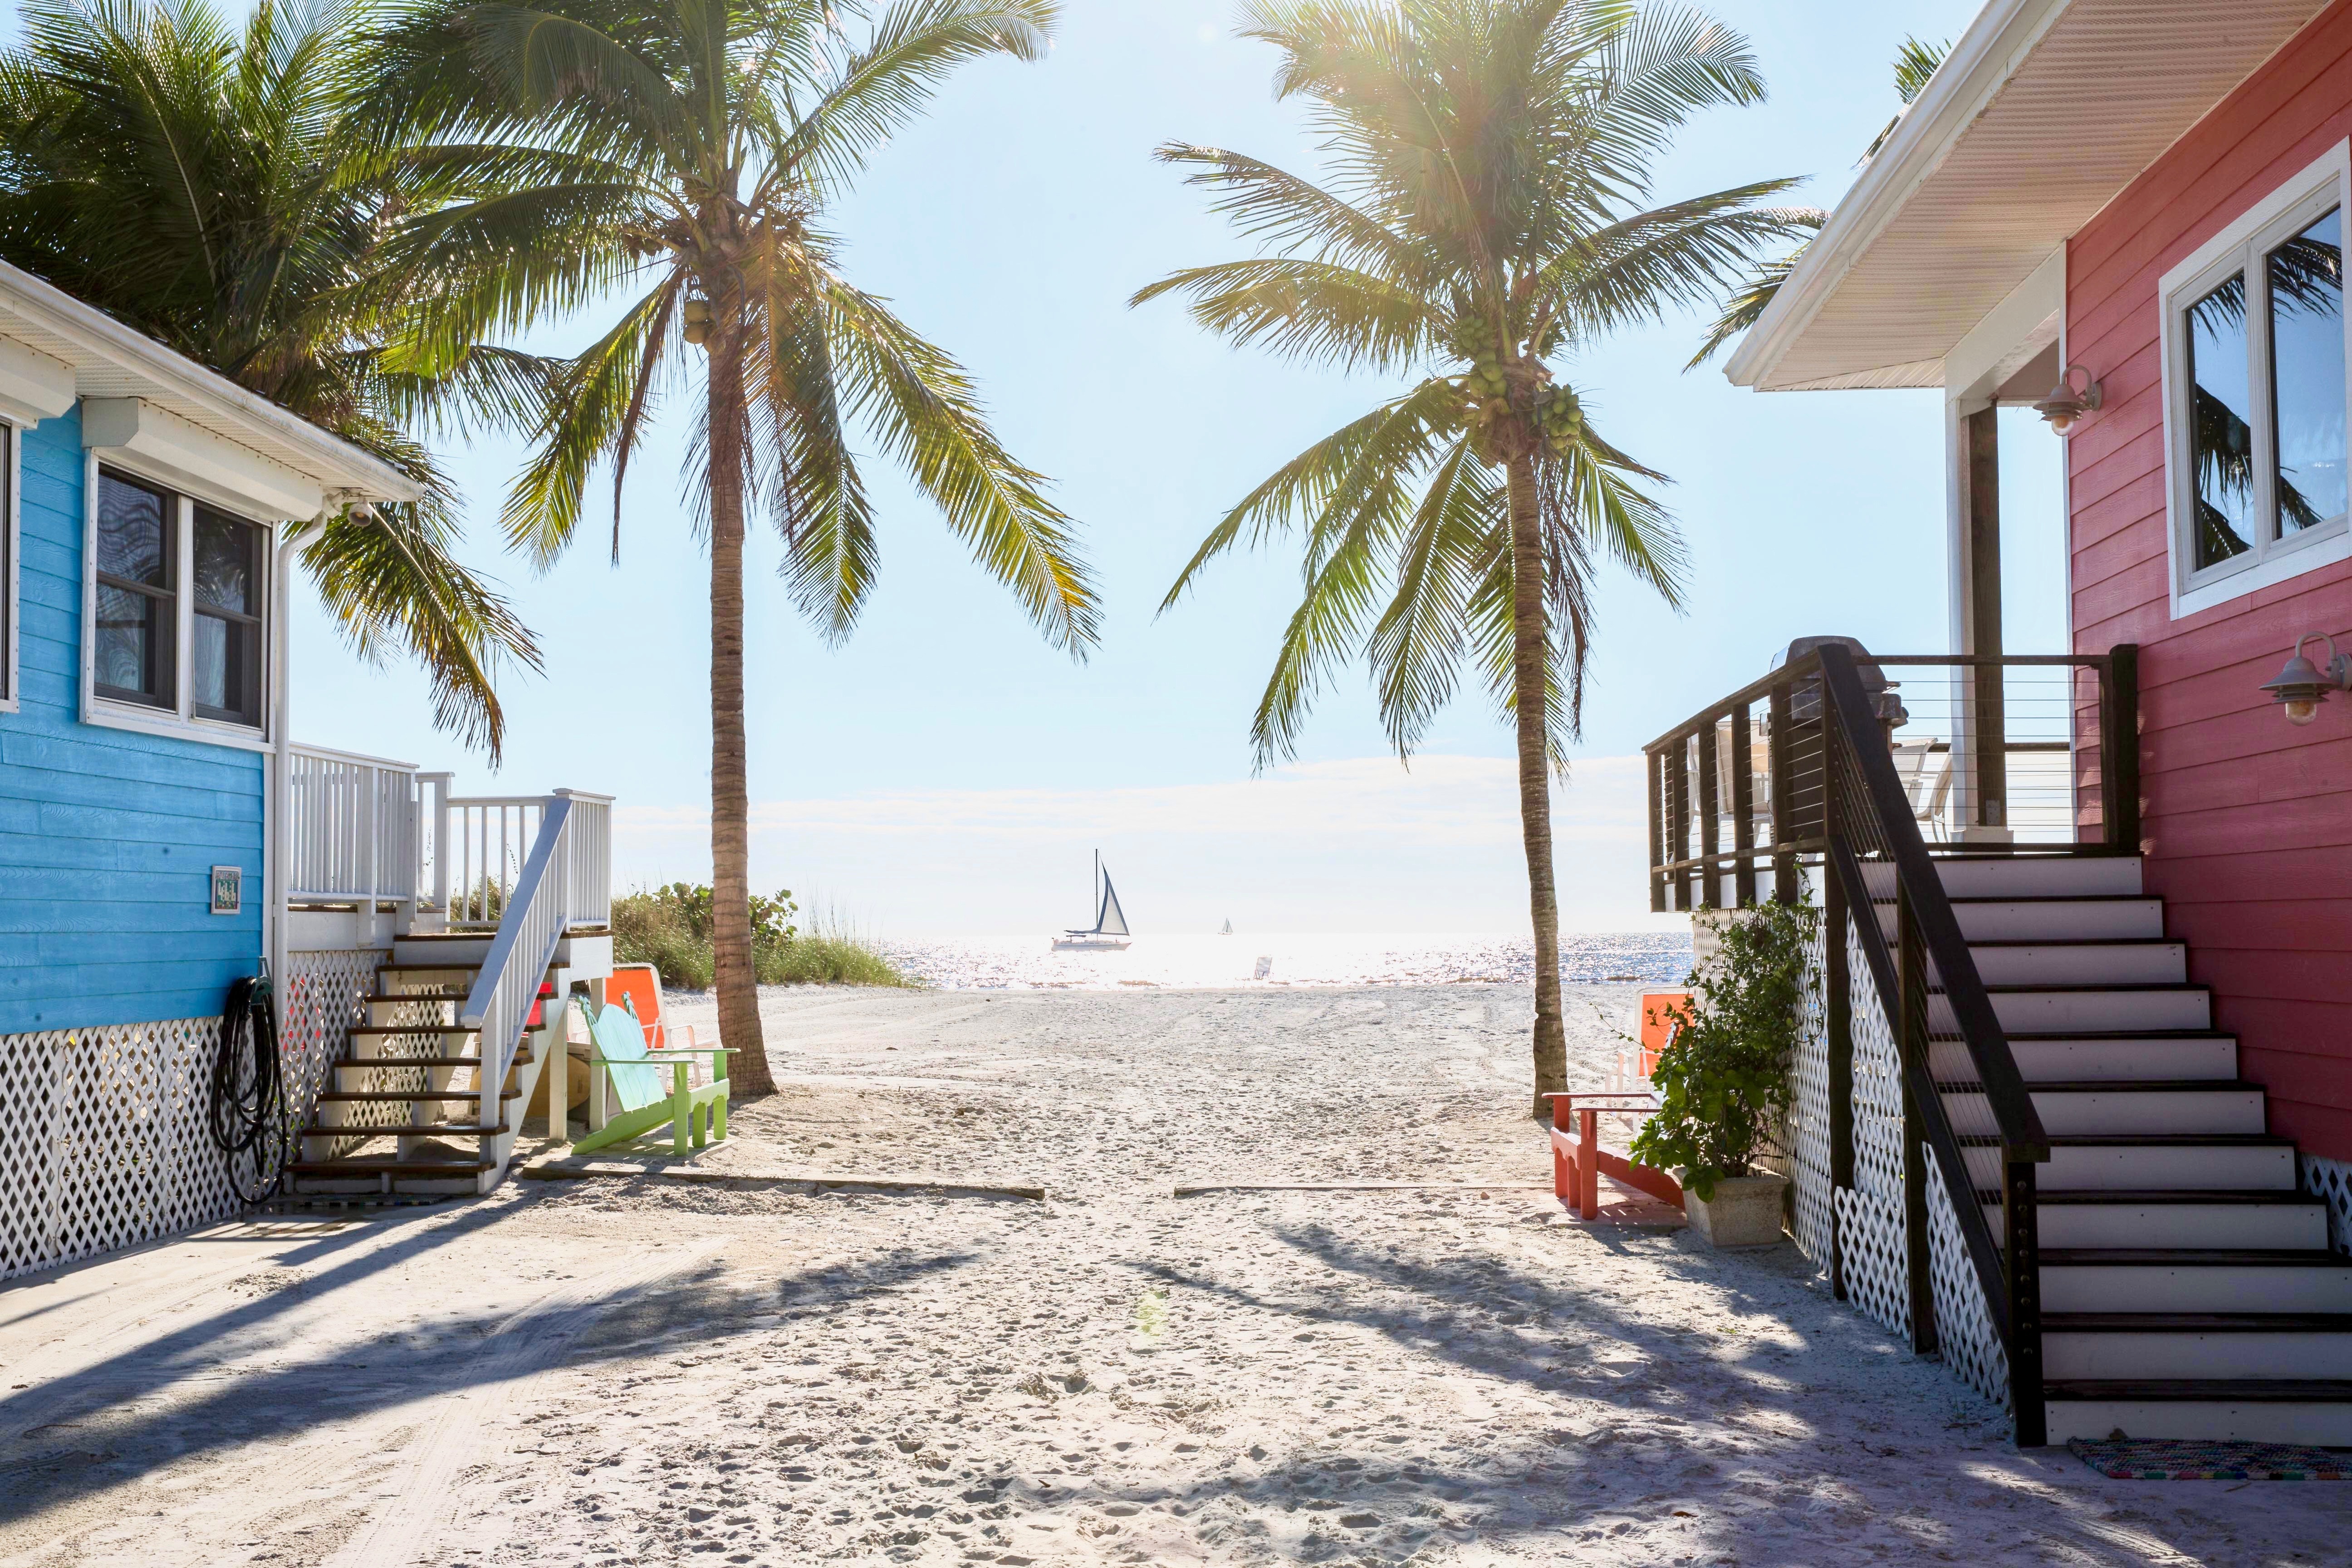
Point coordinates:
pixel 228 889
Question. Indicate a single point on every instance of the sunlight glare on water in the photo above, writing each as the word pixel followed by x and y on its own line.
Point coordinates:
pixel 1024 963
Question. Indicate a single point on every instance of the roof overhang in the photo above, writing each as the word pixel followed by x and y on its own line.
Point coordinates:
pixel 57 350
pixel 2043 112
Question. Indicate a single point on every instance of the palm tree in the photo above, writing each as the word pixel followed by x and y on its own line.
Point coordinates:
pixel 1491 158
pixel 198 181
pixel 683 152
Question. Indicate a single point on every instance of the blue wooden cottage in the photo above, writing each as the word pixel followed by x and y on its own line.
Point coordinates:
pixel 161 835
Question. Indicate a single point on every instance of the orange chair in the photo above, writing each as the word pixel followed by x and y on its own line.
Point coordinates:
pixel 637 987
pixel 1661 1017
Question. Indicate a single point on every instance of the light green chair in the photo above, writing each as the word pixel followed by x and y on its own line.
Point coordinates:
pixel 623 1069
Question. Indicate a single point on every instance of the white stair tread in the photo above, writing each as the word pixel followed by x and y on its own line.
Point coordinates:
pixel 2138 961
pixel 2234 1410
pixel 2165 1281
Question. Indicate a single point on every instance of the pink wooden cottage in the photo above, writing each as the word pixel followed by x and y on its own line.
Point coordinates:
pixel 2076 1110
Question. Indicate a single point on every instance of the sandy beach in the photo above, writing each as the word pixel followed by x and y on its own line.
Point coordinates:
pixel 651 1371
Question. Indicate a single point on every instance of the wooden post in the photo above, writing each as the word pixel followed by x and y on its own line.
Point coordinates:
pixel 1710 816
pixel 1656 763
pixel 718 1108
pixel 2120 748
pixel 555 1040
pixel 1784 864
pixel 1587 1163
pixel 1678 808
pixel 1563 1170
pixel 1743 811
pixel 2022 1258
pixel 1980 520
pixel 1911 1044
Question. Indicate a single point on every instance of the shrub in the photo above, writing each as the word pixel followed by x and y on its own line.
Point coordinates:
pixel 669 926
pixel 1724 1084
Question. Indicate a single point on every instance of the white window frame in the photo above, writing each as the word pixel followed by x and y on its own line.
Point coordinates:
pixel 2297 202
pixel 180 720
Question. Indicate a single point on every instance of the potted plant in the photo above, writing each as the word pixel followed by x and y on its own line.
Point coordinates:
pixel 1724 1083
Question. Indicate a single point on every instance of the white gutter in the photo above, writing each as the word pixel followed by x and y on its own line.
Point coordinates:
pixel 1979 65
pixel 343 466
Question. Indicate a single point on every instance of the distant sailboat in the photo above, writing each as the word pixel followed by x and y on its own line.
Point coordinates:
pixel 1228 930
pixel 1109 932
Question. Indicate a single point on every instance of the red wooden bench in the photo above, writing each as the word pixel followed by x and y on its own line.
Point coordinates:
pixel 1579 1163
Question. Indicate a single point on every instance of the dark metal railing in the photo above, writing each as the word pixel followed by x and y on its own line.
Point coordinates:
pixel 2019 755
pixel 1864 770
pixel 1880 872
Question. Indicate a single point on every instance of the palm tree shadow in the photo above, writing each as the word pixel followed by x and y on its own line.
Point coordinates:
pixel 114 1422
pixel 1509 1323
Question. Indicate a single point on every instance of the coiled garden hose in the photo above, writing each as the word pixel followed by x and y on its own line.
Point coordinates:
pixel 249 1121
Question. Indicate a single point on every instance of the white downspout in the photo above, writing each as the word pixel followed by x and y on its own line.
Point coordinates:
pixel 276 825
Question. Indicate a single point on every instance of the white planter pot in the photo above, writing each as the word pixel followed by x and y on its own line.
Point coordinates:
pixel 1744 1211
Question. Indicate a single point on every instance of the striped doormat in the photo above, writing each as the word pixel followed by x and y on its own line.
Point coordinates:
pixel 2165 1460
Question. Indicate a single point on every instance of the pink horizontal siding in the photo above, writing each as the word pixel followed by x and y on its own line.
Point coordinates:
pixel 2247 821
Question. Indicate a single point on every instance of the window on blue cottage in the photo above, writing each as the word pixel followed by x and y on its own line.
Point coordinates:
pixel 227 649
pixel 138 550
pixel 178 580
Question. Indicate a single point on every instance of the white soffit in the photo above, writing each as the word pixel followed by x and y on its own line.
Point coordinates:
pixel 51 341
pixel 215 468
pixel 2044 111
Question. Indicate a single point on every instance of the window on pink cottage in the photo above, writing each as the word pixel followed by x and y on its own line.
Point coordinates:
pixel 2257 393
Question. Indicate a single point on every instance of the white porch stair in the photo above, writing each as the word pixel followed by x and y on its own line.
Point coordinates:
pixel 404 1112
pixel 2187 1286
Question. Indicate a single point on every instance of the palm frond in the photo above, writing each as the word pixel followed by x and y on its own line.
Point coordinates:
pixel 1313 310
pixel 915 46
pixel 924 409
pixel 593 412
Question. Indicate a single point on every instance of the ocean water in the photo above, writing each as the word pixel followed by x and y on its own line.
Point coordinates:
pixel 1025 964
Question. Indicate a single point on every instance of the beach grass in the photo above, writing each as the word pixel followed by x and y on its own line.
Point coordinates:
pixel 669 928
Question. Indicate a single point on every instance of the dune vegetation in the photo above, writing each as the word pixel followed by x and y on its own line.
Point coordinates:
pixel 670 927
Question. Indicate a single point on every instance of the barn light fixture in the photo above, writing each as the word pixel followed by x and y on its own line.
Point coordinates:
pixel 2065 405
pixel 2302 687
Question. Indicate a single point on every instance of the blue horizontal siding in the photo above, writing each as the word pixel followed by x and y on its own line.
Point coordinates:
pixel 108 837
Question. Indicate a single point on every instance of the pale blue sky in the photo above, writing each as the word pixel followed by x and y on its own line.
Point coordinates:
pixel 947 771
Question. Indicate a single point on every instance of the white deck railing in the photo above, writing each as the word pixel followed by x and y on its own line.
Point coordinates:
pixel 364 830
pixel 354 825
pixel 535 913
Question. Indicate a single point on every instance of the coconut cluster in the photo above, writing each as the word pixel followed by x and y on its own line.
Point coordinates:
pixel 1560 417
pixel 1483 396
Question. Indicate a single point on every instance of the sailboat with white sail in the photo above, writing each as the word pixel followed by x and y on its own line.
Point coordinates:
pixel 1109 933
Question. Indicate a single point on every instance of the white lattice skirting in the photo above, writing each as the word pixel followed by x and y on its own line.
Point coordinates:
pixel 1873 1239
pixel 2331 1180
pixel 103 1142
pixel 324 994
pixel 1965 1333
pixel 1807 1135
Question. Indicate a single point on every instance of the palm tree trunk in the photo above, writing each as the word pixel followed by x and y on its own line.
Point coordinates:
pixel 1527 649
pixel 730 803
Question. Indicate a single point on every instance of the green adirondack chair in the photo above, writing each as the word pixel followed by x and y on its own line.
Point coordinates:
pixel 632 1074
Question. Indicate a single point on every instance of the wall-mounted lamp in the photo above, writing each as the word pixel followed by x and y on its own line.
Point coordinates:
pixel 353 503
pixel 2065 405
pixel 2302 687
